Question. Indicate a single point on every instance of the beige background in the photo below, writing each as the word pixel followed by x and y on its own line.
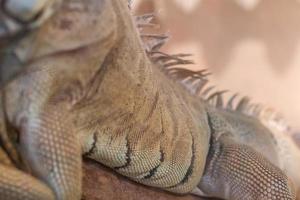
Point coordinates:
pixel 251 46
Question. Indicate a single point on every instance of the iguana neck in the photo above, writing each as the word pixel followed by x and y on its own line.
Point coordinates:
pixel 128 81
pixel 136 111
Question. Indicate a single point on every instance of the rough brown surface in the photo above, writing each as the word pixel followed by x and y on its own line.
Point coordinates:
pixel 101 183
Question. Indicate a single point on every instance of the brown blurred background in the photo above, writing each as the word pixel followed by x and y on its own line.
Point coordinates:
pixel 251 46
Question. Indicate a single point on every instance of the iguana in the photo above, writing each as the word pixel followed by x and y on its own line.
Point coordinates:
pixel 88 85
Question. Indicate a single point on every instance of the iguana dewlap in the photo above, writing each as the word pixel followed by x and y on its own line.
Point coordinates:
pixel 86 86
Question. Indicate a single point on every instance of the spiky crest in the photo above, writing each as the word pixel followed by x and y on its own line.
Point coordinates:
pixel 197 82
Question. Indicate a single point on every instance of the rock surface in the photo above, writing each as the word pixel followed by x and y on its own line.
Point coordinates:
pixel 101 183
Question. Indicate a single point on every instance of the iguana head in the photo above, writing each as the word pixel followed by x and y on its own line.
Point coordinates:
pixel 17 20
pixel 20 16
pixel 76 24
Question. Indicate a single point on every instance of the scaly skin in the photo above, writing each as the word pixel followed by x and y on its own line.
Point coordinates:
pixel 231 163
pixel 88 87
pixel 234 156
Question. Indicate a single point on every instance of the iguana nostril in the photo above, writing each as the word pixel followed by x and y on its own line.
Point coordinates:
pixel 24 10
